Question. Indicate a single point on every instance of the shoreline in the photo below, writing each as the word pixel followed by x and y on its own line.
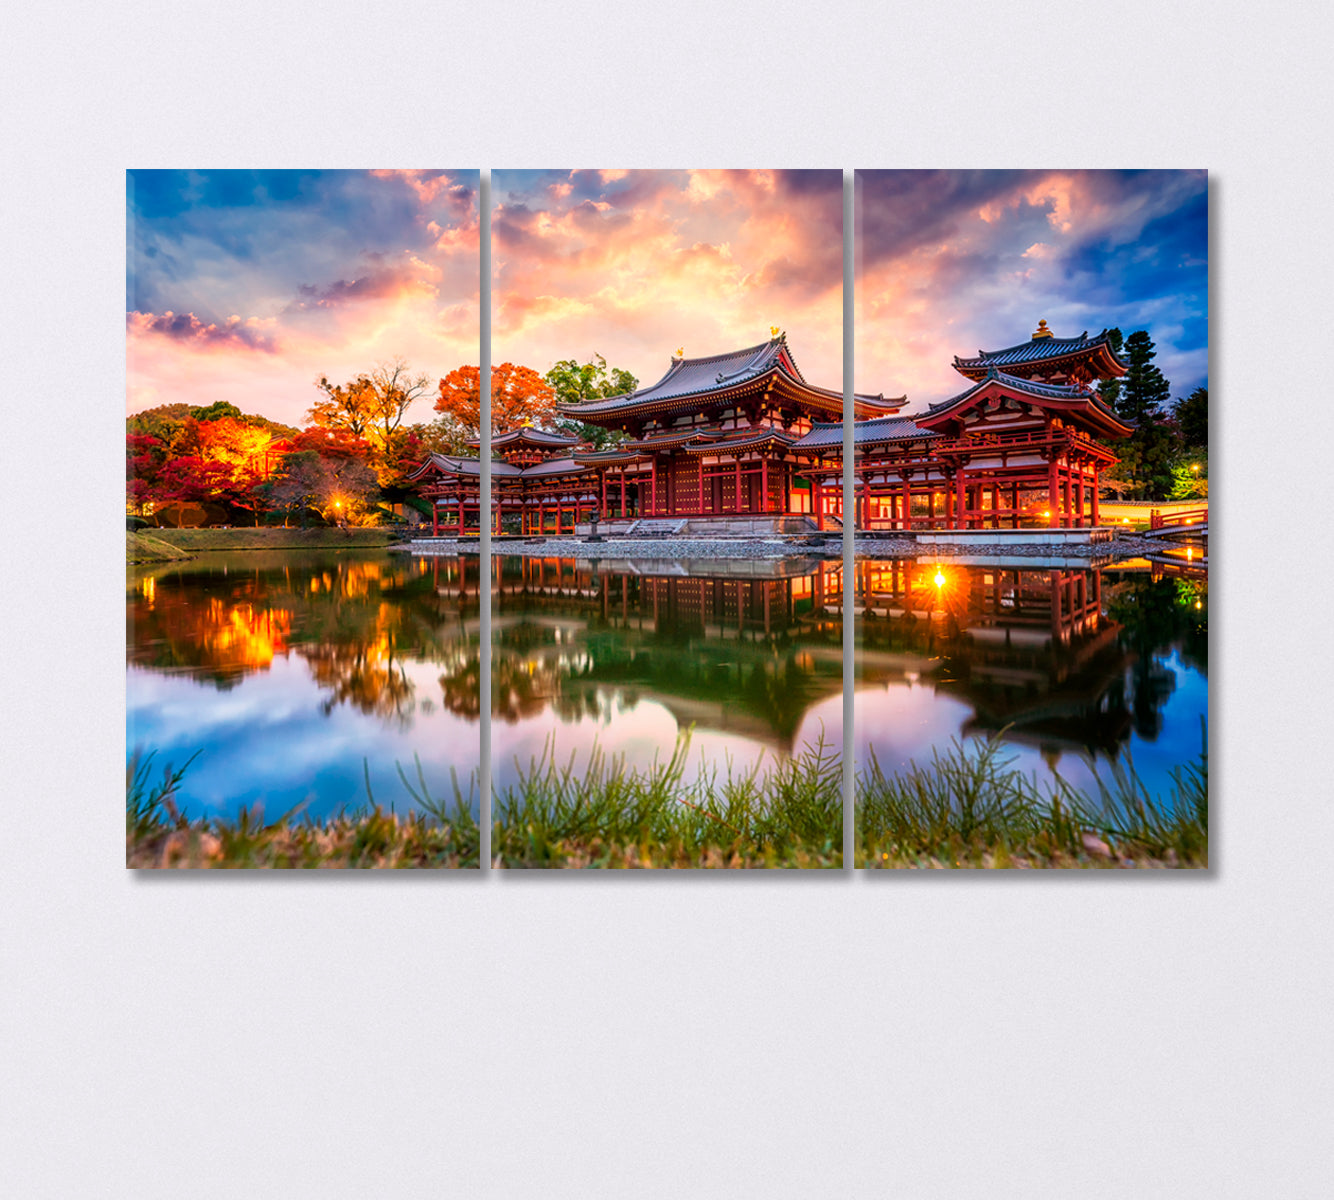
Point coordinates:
pixel 831 549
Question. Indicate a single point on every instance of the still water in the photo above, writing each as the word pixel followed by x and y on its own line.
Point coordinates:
pixel 296 674
pixel 1077 667
pixel 743 657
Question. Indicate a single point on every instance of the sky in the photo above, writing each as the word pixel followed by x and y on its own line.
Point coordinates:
pixel 634 264
pixel 953 262
pixel 245 286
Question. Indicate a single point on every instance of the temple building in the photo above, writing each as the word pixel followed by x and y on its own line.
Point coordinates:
pixel 744 438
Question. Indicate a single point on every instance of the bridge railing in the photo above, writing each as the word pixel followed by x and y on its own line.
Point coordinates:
pixel 1191 516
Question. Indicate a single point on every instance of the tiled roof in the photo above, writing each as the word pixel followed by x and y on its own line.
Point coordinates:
pixel 715 441
pixel 1035 350
pixel 1031 387
pixel 526 433
pixel 553 466
pixel 719 372
pixel 878 429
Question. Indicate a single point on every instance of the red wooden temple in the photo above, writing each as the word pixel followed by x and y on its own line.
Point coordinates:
pixel 743 435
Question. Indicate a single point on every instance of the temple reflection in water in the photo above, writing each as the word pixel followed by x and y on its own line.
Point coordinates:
pixel 748 648
pixel 1059 657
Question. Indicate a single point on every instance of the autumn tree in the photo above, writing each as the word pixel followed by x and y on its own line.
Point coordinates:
pixel 335 485
pixel 519 396
pixel 575 383
pixel 144 458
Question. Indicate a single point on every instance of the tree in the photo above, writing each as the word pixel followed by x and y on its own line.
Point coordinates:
pixel 395 388
pixel 373 404
pixel 1109 390
pixel 144 458
pixel 1148 456
pixel 575 383
pixel 1192 415
pixel 1190 480
pixel 1144 391
pixel 347 407
pixel 519 396
pixel 341 486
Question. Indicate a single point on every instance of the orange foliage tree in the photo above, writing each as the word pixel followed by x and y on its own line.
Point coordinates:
pixel 519 396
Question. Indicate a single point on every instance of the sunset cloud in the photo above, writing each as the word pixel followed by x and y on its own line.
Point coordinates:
pixel 633 264
pixel 233 333
pixel 334 271
pixel 950 262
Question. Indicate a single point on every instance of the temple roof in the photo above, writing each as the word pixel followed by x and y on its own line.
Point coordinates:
pixel 451 464
pixel 1064 395
pixel 526 434
pixel 689 378
pixel 878 429
pixel 553 466
pixel 1044 352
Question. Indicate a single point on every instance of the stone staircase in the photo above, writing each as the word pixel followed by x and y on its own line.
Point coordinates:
pixel 654 527
pixel 749 527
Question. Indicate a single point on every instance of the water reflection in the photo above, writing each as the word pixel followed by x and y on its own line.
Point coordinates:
pixel 289 669
pixel 748 655
pixel 1071 663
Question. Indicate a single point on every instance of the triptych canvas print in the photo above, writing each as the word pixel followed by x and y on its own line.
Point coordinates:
pixel 621 542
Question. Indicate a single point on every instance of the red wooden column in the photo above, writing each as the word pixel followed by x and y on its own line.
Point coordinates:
pixel 907 505
pixel 817 501
pixel 1053 497
pixel 653 486
pixel 1079 500
pixel 700 508
pixel 961 498
pixel 1014 504
pixel 1066 506
pixel 764 503
pixel 1096 472
pixel 736 500
pixel 623 512
pixel 602 480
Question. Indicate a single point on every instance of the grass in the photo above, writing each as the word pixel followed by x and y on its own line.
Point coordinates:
pixel 971 808
pixel 148 548
pixel 436 835
pixel 786 813
pixel 266 538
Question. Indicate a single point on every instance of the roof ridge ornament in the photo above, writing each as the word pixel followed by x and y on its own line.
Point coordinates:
pixel 1042 331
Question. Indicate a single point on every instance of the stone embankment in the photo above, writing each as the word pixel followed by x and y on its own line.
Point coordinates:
pixel 829 547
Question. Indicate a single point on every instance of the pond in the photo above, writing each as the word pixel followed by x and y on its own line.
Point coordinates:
pixel 297 676
pixel 627 657
pixel 1076 667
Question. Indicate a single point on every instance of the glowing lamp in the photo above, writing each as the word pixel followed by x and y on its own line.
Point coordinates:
pixel 940 578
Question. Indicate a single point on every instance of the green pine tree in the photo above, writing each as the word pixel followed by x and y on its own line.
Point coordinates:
pixel 1144 391
pixel 1109 390
pixel 1192 415
pixel 1153 449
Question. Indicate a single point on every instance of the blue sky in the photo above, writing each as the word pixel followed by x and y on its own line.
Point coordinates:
pixel 952 262
pixel 245 285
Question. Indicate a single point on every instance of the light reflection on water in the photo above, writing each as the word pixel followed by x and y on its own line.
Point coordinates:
pixel 296 674
pixel 743 657
pixel 1076 666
